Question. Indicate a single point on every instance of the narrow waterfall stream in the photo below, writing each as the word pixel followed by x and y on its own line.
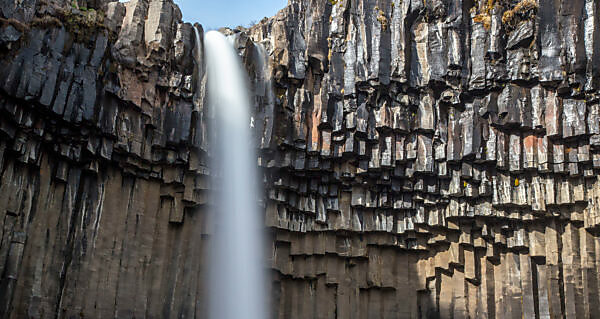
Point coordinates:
pixel 237 278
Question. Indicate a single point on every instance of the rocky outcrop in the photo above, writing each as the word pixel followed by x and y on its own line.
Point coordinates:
pixel 434 158
pixel 102 154
pixel 420 158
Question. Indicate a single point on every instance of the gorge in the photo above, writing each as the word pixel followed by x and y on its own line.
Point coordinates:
pixel 419 159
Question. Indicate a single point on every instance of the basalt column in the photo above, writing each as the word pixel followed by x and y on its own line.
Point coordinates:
pixel 421 159
pixel 434 158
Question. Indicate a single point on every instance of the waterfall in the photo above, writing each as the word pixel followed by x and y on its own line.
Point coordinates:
pixel 237 280
pixel 264 91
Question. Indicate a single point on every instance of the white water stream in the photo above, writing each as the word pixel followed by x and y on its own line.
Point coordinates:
pixel 237 277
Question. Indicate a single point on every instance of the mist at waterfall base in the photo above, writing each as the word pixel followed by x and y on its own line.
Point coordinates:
pixel 237 283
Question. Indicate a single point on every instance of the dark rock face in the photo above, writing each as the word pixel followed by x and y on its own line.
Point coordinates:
pixel 421 158
pixel 434 158
pixel 102 162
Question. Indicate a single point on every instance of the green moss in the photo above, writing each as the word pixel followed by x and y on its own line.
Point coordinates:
pixel 83 23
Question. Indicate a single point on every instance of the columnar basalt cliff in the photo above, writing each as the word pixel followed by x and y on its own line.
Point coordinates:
pixel 103 161
pixel 421 159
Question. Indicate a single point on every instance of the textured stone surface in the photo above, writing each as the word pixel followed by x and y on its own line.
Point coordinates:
pixel 448 160
pixel 103 163
pixel 421 158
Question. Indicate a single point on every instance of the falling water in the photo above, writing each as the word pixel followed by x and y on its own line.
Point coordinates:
pixel 237 279
pixel 263 91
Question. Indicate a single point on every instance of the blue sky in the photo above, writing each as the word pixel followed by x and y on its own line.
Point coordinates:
pixel 213 14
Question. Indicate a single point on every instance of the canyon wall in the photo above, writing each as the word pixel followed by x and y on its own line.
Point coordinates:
pixel 102 212
pixel 421 159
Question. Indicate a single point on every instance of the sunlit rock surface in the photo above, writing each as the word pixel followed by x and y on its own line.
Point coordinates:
pixel 420 158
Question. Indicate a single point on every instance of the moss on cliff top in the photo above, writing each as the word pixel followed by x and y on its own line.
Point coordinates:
pixel 523 10
pixel 82 23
